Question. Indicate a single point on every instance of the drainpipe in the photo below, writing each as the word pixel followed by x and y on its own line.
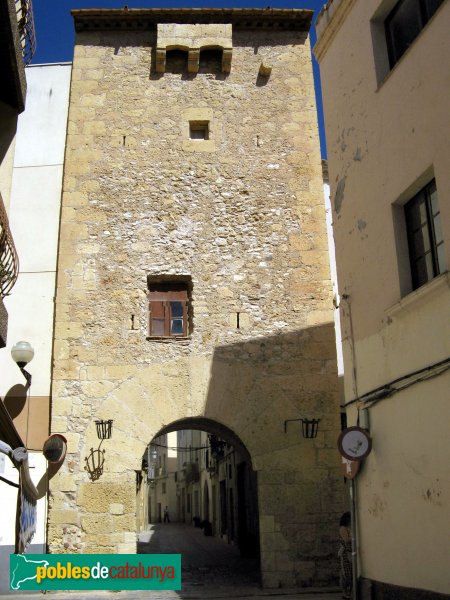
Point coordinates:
pixel 354 537
pixel 347 299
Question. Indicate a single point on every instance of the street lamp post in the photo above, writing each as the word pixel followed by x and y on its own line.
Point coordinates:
pixel 22 353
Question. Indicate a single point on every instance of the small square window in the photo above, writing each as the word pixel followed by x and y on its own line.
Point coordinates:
pixel 199 130
pixel 425 240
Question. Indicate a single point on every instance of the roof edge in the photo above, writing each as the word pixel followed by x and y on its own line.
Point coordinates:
pixel 147 18
pixel 329 21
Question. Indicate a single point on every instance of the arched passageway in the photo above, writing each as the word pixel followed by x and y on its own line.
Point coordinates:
pixel 198 474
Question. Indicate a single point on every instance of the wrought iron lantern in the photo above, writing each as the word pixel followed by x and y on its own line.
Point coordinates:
pixel 104 429
pixel 309 427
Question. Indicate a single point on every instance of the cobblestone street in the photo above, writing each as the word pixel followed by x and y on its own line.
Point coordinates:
pixel 211 568
pixel 205 560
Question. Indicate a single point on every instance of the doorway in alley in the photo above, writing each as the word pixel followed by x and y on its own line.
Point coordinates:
pixel 197 495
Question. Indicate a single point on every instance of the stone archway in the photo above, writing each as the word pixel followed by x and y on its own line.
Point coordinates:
pixel 241 392
pixel 207 480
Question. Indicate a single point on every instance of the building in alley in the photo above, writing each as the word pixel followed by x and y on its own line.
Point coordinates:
pixel 386 95
pixel 193 285
pixel 162 467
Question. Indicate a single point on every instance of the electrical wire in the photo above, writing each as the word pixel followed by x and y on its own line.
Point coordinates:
pixel 183 448
pixel 9 482
pixel 386 390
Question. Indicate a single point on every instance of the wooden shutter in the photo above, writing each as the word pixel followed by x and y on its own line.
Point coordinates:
pixel 167 317
pixel 157 318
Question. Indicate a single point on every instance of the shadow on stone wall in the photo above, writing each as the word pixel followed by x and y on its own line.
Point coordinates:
pixel 255 386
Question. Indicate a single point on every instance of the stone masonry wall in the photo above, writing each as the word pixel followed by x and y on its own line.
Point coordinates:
pixel 244 218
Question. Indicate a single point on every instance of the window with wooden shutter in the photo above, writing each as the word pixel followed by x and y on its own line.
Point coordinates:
pixel 168 308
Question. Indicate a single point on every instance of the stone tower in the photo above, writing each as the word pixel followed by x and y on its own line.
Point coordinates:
pixel 193 282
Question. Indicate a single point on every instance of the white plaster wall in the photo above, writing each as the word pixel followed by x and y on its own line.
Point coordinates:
pixel 43 123
pixel 30 310
pixel 34 220
pixel 34 216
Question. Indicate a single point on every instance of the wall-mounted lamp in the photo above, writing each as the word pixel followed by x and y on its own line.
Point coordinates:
pixel 96 458
pixel 104 429
pixel 309 427
pixel 22 353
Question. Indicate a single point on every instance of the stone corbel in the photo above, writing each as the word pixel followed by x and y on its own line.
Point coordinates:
pixel 265 70
pixel 193 60
pixel 160 65
pixel 226 60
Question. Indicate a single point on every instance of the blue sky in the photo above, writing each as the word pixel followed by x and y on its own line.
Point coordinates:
pixel 55 32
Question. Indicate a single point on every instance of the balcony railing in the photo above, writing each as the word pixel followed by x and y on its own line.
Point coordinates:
pixel 9 261
pixel 25 21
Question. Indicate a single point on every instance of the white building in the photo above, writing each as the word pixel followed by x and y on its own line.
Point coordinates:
pixel 34 213
pixel 386 93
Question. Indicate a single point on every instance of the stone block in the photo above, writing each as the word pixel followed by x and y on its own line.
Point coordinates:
pixel 273 541
pixel 59 424
pixel 119 371
pixel 92 100
pixel 94 127
pixel 77 168
pixel 327 456
pixel 61 350
pixel 124 522
pixel 96 389
pixel 266 523
pixel 94 524
pixel 74 231
pixel 85 62
pixel 61 408
pixel 65 517
pixel 116 509
pixel 84 86
pixel 65 482
pixel 97 497
pixel 272 579
pixel 73 442
pixel 126 548
pixel 100 539
pixel 93 74
pixel 95 373
pixel 94 549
